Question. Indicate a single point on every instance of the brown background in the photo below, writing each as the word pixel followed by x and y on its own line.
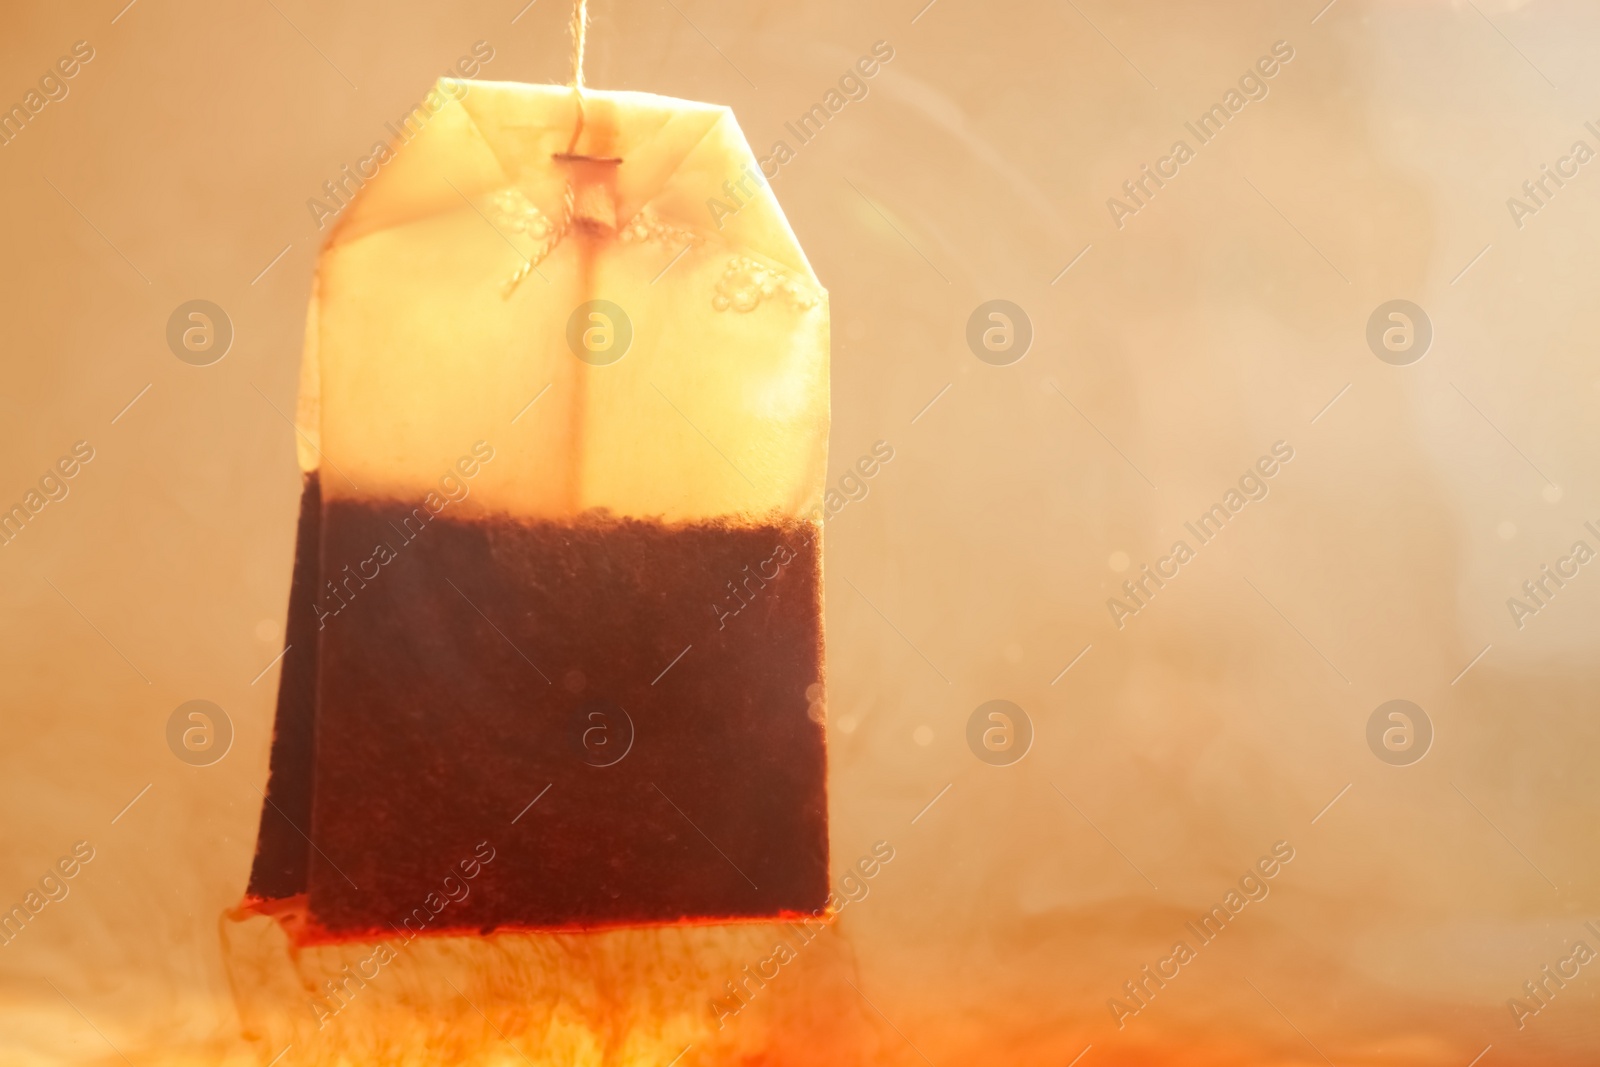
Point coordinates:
pixel 1223 317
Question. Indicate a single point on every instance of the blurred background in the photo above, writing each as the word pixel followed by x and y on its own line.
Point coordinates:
pixel 1444 863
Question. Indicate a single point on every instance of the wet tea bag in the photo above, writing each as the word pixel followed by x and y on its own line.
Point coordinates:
pixel 556 653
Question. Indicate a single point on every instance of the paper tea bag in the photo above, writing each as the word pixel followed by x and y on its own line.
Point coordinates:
pixel 556 654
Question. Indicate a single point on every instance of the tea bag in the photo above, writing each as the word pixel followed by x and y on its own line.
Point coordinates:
pixel 556 653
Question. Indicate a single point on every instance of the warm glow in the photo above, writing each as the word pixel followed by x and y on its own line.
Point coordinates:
pixel 1191 408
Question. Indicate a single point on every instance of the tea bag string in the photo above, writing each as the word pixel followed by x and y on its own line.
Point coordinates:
pixel 580 32
pixel 580 20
